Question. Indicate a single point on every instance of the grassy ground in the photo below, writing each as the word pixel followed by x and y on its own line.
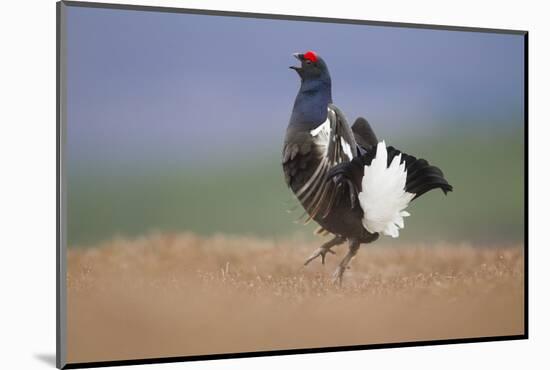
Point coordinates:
pixel 175 295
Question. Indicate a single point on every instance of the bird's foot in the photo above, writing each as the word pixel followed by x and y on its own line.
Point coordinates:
pixel 344 264
pixel 321 251
pixel 338 275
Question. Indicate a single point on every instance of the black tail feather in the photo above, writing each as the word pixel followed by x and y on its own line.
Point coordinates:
pixel 421 175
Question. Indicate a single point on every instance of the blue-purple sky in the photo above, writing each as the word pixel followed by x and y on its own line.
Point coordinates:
pixel 177 88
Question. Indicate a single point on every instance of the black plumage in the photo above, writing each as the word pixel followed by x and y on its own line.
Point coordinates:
pixel 364 134
pixel 325 163
pixel 421 176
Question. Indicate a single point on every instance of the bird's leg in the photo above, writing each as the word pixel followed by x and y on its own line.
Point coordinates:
pixel 323 249
pixel 339 273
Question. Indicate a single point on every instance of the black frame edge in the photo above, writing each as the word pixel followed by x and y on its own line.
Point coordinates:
pixel 60 274
pixel 526 182
pixel 57 165
pixel 148 361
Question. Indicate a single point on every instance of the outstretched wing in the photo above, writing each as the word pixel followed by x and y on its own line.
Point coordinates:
pixel 364 134
pixel 326 146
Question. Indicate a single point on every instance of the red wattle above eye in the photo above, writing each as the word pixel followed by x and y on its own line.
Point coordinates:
pixel 311 56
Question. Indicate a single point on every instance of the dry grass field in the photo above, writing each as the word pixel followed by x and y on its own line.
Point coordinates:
pixel 177 295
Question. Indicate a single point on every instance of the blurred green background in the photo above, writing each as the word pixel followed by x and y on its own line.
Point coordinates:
pixel 251 198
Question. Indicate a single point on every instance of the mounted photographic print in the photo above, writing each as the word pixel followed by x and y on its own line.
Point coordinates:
pixel 235 184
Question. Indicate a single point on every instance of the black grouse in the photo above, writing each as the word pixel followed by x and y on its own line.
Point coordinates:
pixel 351 184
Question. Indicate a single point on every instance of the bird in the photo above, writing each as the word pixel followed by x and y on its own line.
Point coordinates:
pixel 354 186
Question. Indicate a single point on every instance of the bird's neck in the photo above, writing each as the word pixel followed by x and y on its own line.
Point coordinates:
pixel 310 106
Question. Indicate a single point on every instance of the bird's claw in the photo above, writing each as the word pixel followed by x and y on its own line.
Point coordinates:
pixel 319 252
pixel 338 275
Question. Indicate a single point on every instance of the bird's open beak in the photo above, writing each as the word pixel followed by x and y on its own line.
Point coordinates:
pixel 300 57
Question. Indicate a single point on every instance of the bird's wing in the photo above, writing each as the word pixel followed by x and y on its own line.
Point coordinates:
pixel 297 155
pixel 364 134
pixel 332 143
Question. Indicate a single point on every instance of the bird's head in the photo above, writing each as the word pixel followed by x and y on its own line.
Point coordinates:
pixel 312 67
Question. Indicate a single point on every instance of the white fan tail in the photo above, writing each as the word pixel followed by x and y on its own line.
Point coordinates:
pixel 383 197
